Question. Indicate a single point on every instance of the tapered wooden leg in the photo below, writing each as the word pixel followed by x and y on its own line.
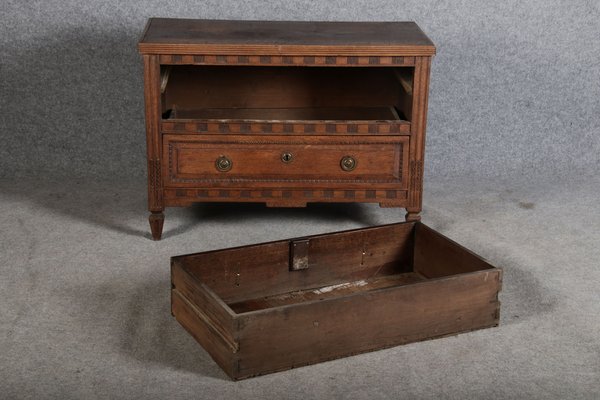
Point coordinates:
pixel 156 220
pixel 413 214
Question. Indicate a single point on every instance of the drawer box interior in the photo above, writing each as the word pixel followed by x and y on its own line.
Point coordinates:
pixel 274 306
pixel 286 93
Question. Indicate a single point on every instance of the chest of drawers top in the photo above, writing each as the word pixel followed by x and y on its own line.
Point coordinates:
pixel 190 36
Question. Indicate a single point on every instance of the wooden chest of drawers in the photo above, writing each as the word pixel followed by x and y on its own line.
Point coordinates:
pixel 284 113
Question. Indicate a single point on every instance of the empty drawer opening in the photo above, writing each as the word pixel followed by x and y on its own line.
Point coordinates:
pixel 286 93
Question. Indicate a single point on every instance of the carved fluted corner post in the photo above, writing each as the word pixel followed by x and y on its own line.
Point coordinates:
pixel 153 143
pixel 417 148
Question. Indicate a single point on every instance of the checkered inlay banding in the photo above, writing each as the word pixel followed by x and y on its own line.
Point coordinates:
pixel 287 60
pixel 306 128
pixel 270 194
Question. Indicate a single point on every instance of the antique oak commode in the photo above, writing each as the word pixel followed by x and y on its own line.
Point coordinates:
pixel 284 113
pixel 288 113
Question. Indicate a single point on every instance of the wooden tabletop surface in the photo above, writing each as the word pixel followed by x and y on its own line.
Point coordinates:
pixel 193 36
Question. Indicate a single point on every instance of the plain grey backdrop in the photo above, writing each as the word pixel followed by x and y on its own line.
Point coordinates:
pixel 512 172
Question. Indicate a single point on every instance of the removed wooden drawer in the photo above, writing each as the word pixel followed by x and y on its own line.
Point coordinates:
pixel 268 307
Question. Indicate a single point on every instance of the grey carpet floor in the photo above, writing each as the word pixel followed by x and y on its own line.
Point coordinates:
pixel 85 295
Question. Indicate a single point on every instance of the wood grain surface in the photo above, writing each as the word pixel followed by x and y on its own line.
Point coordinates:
pixel 189 36
pixel 363 290
pixel 346 101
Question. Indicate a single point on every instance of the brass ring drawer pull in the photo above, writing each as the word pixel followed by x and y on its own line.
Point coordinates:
pixel 223 164
pixel 348 163
pixel 287 157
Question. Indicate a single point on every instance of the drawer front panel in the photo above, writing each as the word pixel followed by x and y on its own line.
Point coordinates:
pixel 278 161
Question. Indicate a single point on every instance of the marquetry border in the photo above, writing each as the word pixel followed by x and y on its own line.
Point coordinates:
pixel 416 170
pixel 154 182
pixel 307 195
pixel 299 127
pixel 324 61
pixel 173 178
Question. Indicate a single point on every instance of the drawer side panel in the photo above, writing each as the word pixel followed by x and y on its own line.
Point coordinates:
pixel 437 256
pixel 201 330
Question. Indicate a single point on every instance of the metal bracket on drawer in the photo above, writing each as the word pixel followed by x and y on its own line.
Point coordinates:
pixel 299 254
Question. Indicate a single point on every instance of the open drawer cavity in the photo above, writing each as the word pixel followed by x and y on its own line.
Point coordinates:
pixel 359 96
pixel 274 306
